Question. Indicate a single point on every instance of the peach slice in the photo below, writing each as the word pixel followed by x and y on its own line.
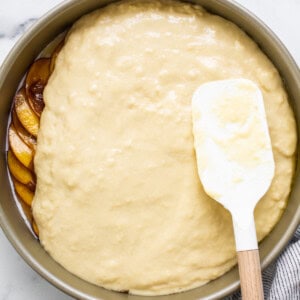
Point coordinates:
pixel 26 209
pixel 25 194
pixel 35 228
pixel 19 172
pixel 26 116
pixel 29 139
pixel 55 54
pixel 35 83
pixel 22 151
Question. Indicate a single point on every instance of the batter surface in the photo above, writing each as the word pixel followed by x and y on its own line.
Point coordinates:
pixel 118 199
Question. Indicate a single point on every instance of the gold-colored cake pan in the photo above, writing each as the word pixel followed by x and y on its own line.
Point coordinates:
pixel 13 225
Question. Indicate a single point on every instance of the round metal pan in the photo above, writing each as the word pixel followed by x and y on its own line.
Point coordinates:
pixel 12 71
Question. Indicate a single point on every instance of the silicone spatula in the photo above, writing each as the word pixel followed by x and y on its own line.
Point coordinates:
pixel 235 162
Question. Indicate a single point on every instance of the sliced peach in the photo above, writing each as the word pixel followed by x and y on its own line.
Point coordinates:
pixel 19 172
pixel 22 151
pixel 35 228
pixel 35 83
pixel 55 54
pixel 26 116
pixel 26 209
pixel 25 194
pixel 29 139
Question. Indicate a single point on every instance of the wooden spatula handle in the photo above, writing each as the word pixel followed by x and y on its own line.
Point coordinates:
pixel 250 275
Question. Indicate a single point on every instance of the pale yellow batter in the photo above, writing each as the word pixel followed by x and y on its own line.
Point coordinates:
pixel 118 199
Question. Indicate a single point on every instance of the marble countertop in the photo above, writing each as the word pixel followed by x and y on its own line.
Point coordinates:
pixel 17 280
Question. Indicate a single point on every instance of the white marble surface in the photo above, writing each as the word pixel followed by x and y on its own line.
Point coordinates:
pixel 17 280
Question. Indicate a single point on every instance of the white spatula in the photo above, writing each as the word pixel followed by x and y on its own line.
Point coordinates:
pixel 235 162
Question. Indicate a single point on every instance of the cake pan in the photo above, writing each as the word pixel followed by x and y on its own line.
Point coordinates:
pixel 13 225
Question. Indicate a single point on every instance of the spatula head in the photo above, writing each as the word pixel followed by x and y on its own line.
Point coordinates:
pixel 232 142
